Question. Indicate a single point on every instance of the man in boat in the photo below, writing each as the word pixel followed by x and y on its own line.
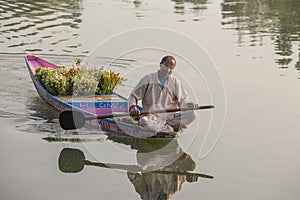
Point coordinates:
pixel 162 90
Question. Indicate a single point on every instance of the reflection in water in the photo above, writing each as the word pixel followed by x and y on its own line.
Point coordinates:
pixel 153 184
pixel 196 6
pixel 279 20
pixel 40 109
pixel 137 3
pixel 182 7
pixel 22 21
pixel 42 118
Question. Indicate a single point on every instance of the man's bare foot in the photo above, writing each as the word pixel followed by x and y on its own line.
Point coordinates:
pixel 176 127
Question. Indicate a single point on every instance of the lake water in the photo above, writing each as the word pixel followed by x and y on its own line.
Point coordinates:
pixel 254 46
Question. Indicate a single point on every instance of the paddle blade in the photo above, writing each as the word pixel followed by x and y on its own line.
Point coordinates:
pixel 71 160
pixel 70 120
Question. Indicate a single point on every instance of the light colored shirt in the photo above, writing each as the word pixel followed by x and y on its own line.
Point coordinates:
pixel 155 96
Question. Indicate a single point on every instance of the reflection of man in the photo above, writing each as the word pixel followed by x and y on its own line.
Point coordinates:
pixel 163 166
pixel 156 156
pixel 160 186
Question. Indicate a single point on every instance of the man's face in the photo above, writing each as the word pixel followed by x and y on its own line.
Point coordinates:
pixel 167 67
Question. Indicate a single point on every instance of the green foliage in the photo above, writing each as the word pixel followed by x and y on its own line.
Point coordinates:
pixel 107 81
pixel 57 81
pixel 85 83
pixel 78 81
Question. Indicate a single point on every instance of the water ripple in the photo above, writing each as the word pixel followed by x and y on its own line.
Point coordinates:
pixel 254 20
pixel 30 25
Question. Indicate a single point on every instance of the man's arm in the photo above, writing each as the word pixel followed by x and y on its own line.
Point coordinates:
pixel 183 97
pixel 137 94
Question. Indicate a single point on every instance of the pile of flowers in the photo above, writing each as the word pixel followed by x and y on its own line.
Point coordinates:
pixel 80 80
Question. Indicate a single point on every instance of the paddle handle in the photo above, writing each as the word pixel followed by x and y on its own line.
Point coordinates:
pixel 149 112
pixel 137 169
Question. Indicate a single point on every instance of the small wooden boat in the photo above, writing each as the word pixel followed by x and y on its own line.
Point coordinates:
pixel 91 105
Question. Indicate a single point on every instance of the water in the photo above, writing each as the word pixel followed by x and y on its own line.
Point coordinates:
pixel 255 45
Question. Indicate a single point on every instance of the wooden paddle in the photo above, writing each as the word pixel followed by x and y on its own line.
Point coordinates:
pixel 72 119
pixel 73 161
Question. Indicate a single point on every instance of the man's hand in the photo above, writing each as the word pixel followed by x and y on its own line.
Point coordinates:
pixel 134 111
pixel 192 105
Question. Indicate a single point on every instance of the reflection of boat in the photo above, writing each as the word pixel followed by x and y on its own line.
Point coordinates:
pixel 152 180
pixel 89 105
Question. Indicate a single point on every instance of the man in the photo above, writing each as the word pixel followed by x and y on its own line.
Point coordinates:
pixel 162 90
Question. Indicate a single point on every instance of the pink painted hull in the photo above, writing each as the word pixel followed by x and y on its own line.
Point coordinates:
pixel 88 105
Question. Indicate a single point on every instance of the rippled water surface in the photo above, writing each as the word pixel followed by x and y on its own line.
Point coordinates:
pixel 253 43
pixel 31 26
